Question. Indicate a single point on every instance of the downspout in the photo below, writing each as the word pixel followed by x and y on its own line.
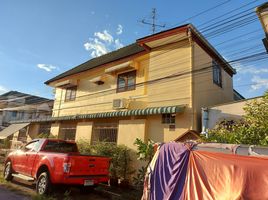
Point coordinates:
pixel 192 98
pixel 60 103
pixel 205 119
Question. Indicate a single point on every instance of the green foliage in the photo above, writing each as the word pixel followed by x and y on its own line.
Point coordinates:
pixel 145 152
pixel 45 135
pixel 253 129
pixel 5 144
pixel 121 163
pixel 84 147
pixel 139 179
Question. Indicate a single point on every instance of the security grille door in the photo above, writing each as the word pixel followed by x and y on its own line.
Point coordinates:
pixel 104 132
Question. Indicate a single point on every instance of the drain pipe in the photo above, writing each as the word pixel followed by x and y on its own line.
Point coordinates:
pixel 205 121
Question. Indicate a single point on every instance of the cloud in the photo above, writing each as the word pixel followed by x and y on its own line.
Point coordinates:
pixel 119 29
pixel 259 83
pixel 3 89
pixel 118 44
pixel 47 67
pixel 103 42
pixel 96 47
pixel 250 70
pixel 105 36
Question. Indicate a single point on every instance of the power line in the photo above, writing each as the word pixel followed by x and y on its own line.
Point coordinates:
pixel 229 12
pixel 179 74
pixel 202 12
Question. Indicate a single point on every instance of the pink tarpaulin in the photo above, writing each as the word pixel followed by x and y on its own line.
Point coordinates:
pixel 219 176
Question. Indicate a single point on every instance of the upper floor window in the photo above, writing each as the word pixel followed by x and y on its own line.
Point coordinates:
pixel 14 114
pixel 217 79
pixel 126 81
pixel 70 94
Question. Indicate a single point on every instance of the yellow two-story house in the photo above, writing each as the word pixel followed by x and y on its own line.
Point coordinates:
pixel 152 89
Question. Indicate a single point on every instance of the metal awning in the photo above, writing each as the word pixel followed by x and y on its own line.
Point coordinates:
pixel 126 113
pixel 121 66
pixel 13 128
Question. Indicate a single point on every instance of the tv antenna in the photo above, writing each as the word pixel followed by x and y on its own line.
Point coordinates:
pixel 153 22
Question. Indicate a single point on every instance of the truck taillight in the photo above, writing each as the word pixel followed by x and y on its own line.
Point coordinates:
pixel 66 167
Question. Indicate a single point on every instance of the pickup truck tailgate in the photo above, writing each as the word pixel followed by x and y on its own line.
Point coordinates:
pixel 89 165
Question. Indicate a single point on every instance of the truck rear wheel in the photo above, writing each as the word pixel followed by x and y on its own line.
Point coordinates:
pixel 8 171
pixel 43 185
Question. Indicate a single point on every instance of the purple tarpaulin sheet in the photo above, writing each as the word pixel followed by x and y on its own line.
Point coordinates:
pixel 168 177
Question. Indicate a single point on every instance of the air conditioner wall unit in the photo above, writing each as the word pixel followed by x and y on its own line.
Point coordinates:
pixel 120 103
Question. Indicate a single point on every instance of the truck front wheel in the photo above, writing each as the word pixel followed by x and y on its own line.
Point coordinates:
pixel 8 171
pixel 43 185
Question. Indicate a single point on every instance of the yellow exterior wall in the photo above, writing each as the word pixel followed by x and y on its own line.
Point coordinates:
pixel 159 132
pixel 129 130
pixel 55 128
pixel 33 131
pixel 205 92
pixel 165 61
pixel 83 131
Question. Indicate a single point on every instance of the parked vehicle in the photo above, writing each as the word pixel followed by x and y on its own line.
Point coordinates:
pixel 53 161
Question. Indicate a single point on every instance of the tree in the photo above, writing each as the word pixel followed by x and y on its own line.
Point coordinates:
pixel 253 129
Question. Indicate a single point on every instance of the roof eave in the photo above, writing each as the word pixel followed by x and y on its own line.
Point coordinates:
pixel 201 40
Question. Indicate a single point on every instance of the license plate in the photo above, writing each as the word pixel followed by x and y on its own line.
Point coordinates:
pixel 88 182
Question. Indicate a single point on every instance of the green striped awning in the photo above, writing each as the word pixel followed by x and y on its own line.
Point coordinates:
pixel 125 113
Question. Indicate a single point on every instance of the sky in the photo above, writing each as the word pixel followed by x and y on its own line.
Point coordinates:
pixel 40 39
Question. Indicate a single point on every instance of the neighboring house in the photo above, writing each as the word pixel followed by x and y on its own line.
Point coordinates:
pixel 17 106
pixel 151 89
pixel 227 112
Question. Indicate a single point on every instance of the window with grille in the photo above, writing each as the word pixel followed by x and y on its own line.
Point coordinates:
pixel 67 131
pixel 217 79
pixel 126 81
pixel 168 118
pixel 44 129
pixel 70 94
pixel 106 132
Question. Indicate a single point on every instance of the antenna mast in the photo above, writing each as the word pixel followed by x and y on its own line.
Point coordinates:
pixel 153 23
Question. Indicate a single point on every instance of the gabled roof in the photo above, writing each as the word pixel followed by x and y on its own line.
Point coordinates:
pixel 104 59
pixel 29 99
pixel 140 47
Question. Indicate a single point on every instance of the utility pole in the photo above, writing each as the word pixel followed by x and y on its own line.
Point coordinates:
pixel 153 22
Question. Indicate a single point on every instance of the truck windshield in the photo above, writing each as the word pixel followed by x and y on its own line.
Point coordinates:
pixel 60 146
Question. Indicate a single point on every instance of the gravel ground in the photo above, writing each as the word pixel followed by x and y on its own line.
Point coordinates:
pixel 11 195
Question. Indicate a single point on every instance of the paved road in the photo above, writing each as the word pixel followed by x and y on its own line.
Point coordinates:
pixel 10 195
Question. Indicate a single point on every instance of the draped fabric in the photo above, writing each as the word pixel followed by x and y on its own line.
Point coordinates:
pixel 226 177
pixel 181 173
pixel 167 179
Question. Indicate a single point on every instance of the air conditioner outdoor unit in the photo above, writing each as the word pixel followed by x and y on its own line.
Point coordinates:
pixel 120 103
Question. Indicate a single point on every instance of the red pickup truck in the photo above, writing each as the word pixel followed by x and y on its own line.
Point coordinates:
pixel 50 161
